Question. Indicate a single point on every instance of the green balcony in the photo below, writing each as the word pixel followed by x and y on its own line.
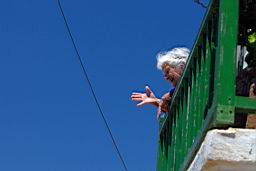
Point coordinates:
pixel 205 97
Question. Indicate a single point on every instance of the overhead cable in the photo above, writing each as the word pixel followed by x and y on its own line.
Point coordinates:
pixel 200 3
pixel 91 87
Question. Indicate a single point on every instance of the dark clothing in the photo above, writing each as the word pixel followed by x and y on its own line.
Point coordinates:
pixel 172 91
pixel 243 81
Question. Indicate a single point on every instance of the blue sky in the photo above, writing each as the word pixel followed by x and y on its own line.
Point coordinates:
pixel 48 118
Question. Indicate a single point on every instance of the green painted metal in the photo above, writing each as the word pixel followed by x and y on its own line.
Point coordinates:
pixel 225 69
pixel 245 104
pixel 205 96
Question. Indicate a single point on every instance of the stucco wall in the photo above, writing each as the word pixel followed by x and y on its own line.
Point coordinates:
pixel 227 150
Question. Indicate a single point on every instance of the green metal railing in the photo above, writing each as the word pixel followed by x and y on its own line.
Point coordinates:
pixel 205 96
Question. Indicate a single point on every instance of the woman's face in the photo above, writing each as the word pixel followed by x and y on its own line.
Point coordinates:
pixel 171 74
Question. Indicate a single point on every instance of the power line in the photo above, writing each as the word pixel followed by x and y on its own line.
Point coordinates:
pixel 90 85
pixel 200 3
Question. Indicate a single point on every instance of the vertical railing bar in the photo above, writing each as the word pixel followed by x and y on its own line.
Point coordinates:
pixel 199 93
pixel 179 125
pixel 169 166
pixel 191 112
pixel 195 96
pixel 187 114
pixel 167 145
pixel 172 140
pixel 183 121
pixel 177 134
pixel 201 85
pixel 164 147
pixel 184 117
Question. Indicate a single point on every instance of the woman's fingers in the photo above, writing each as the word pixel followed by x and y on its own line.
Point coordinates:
pixel 134 93
pixel 149 92
pixel 139 95
pixel 137 99
pixel 141 104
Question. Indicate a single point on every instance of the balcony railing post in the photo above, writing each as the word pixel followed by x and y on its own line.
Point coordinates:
pixel 225 71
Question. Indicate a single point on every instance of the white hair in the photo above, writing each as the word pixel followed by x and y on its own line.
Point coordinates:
pixel 175 57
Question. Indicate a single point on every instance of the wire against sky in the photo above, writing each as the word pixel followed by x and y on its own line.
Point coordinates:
pixel 200 3
pixel 90 85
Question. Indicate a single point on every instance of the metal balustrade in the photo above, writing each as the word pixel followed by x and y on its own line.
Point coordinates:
pixel 205 95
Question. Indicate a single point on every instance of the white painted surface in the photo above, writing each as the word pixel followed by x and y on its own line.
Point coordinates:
pixel 227 150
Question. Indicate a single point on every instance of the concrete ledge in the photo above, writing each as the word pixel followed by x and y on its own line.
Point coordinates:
pixel 227 150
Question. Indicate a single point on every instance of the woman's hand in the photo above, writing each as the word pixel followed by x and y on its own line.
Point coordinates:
pixel 145 98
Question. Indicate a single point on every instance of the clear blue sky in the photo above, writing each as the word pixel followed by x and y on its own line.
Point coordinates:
pixel 48 118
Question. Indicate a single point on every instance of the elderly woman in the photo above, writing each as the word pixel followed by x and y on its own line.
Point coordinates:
pixel 171 63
